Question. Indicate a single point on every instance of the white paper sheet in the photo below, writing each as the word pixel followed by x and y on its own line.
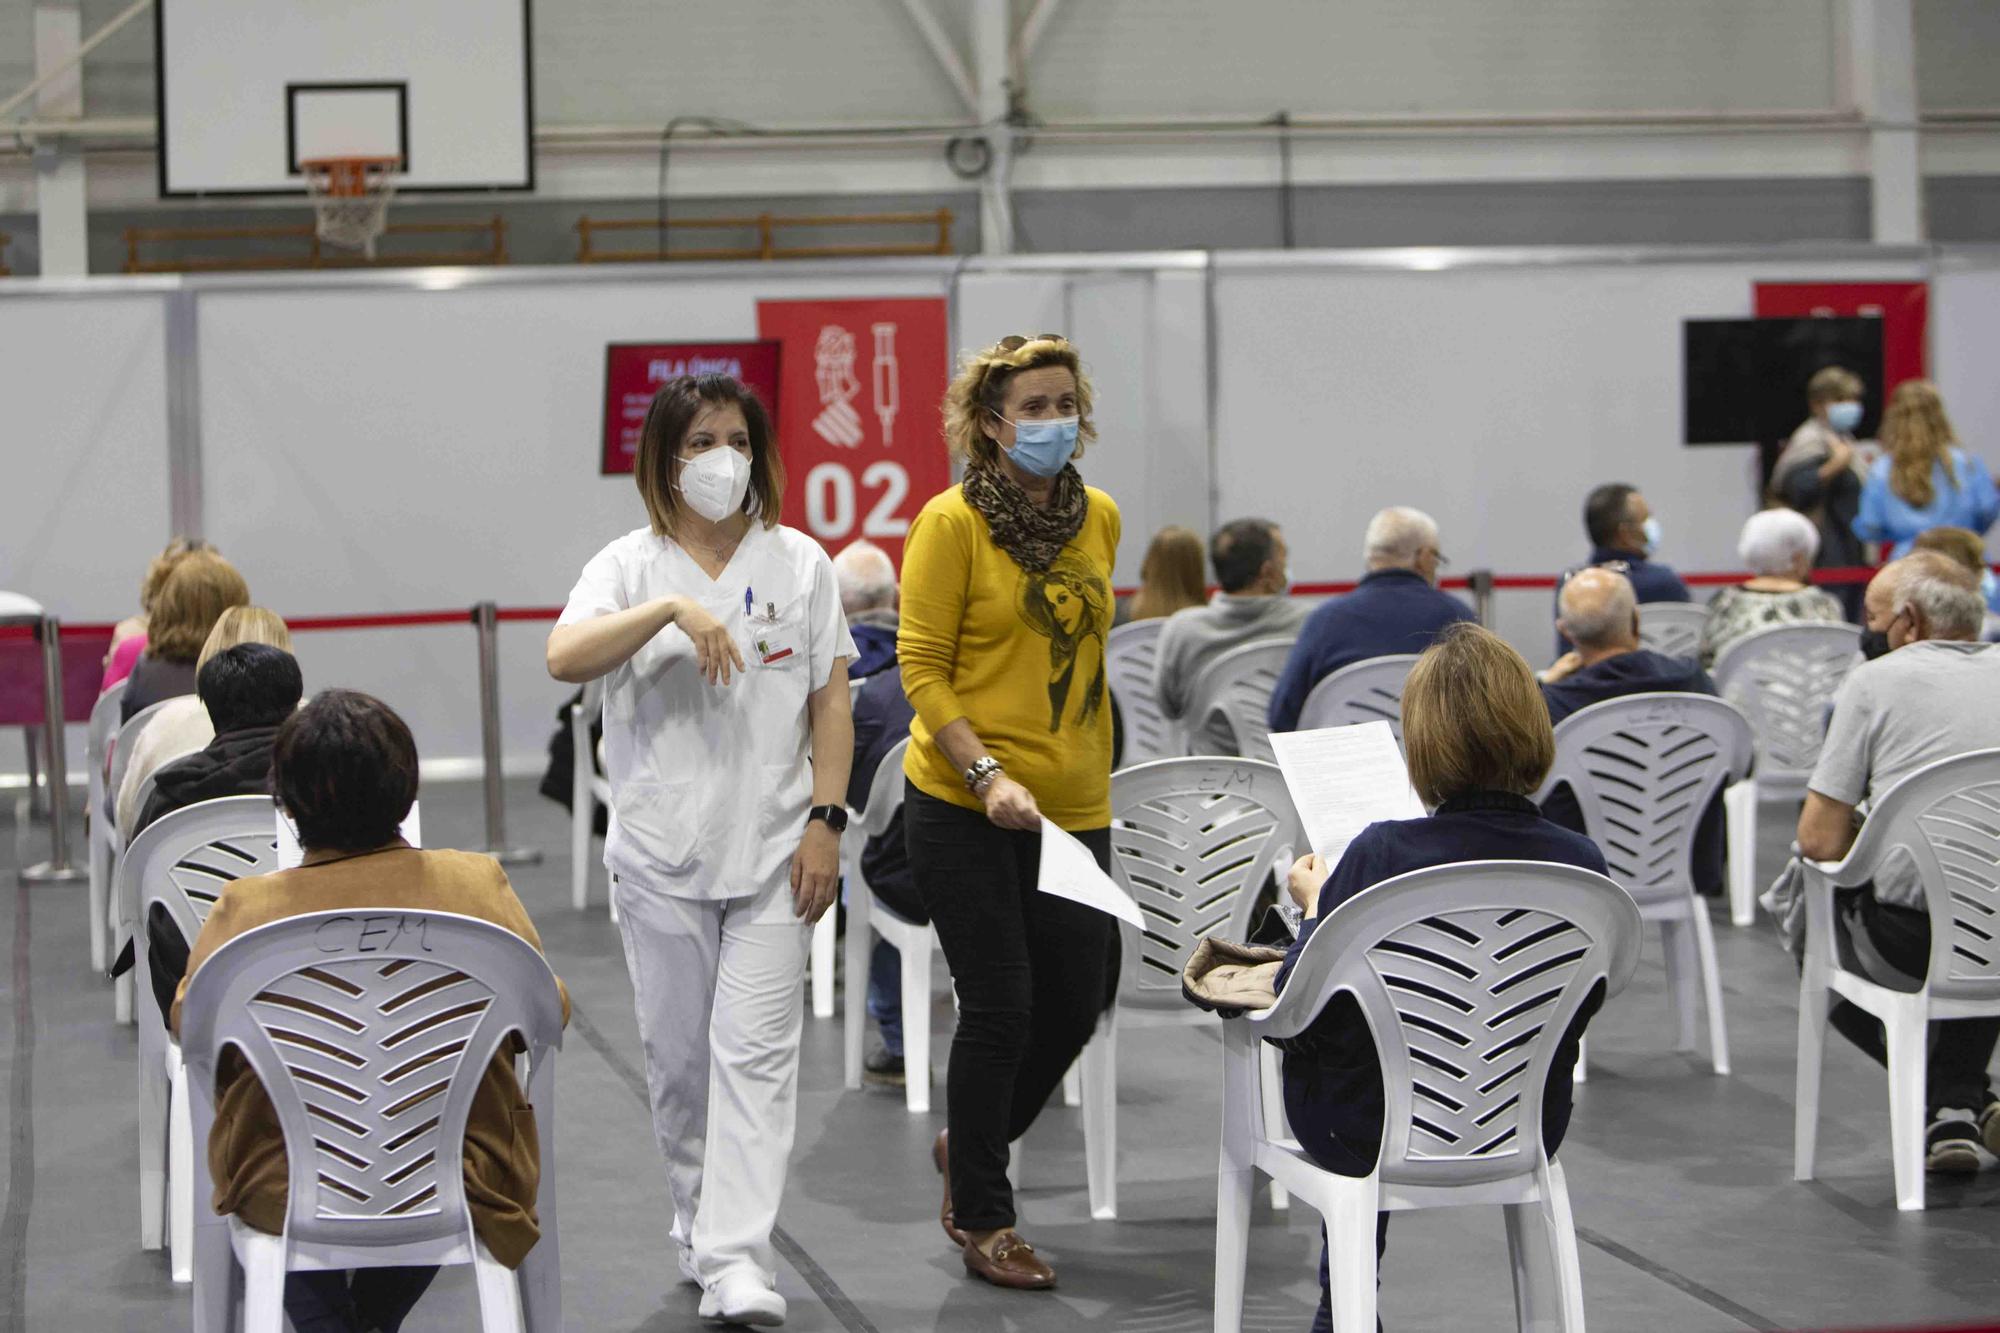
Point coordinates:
pixel 1343 779
pixel 290 854
pixel 1070 871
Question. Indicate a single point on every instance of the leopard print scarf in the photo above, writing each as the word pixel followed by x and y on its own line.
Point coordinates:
pixel 1032 535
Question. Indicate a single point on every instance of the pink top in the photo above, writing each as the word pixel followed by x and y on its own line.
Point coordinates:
pixel 122 659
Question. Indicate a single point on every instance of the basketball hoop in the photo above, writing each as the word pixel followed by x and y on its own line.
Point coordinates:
pixel 351 197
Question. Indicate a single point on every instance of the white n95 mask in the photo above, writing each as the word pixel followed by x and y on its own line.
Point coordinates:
pixel 715 482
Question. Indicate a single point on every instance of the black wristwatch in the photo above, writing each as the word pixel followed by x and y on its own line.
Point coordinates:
pixel 833 816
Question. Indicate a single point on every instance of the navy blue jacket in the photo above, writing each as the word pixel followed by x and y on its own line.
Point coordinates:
pixel 1392 611
pixel 1333 1078
pixel 874 650
pixel 1640 672
pixel 1651 582
pixel 882 718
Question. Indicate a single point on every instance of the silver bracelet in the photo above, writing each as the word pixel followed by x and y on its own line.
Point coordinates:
pixel 984 769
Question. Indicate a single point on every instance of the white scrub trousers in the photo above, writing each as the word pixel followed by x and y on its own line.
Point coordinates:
pixel 718 987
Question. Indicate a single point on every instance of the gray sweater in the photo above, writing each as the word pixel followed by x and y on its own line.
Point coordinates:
pixel 1196 636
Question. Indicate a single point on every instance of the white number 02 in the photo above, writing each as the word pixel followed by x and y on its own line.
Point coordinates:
pixel 830 500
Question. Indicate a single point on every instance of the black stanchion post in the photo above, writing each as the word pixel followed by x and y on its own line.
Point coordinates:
pixel 486 623
pixel 57 869
pixel 1481 582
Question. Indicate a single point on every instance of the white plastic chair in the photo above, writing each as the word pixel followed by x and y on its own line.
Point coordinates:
pixel 866 915
pixel 1945 818
pixel 103 832
pixel 181 862
pixel 1644 768
pixel 1672 628
pixel 1238 685
pixel 383 1025
pixel 1469 976
pixel 1192 840
pixel 1783 679
pixel 1131 654
pixel 1366 691
pixel 105 842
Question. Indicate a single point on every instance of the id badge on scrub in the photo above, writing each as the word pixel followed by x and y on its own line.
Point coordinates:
pixel 773 645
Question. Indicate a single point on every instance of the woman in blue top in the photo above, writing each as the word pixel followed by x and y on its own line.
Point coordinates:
pixel 1926 481
pixel 1478 740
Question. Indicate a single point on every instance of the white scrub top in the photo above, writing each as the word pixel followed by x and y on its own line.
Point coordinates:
pixel 710 784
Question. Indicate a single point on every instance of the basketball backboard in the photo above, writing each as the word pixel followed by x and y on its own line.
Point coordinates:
pixel 248 91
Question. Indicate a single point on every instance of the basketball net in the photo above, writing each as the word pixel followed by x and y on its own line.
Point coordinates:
pixel 350 196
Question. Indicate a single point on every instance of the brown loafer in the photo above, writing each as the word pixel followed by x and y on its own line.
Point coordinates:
pixel 1013 1263
pixel 941 1159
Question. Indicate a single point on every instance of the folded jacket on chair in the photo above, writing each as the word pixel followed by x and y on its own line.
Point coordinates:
pixel 1228 978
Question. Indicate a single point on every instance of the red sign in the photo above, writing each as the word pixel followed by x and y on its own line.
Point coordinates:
pixel 21 674
pixel 1903 308
pixel 863 430
pixel 634 372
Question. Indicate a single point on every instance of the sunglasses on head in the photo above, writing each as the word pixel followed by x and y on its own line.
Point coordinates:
pixel 1614 566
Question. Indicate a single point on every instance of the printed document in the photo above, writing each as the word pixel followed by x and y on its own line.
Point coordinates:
pixel 1343 779
pixel 1070 871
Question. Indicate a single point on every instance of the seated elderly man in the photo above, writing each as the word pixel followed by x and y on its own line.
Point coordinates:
pixel 1397 609
pixel 1777 546
pixel 1929 692
pixel 868 595
pixel 1599 612
pixel 1249 557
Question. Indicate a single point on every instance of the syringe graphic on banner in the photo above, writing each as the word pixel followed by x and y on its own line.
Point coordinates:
pixel 885 381
pixel 833 369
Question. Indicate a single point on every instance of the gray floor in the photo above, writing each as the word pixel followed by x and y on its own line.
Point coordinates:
pixel 1686 1210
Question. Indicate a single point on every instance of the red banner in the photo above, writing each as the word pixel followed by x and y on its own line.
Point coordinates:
pixel 1903 308
pixel 862 433
pixel 634 372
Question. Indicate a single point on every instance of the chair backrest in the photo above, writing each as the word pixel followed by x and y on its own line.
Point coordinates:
pixel 1366 691
pixel 1783 679
pixel 1192 841
pixel 1643 769
pixel 1130 653
pixel 1945 817
pixel 1673 628
pixel 1238 685
pixel 885 795
pixel 370 1032
pixel 103 722
pixel 121 749
pixel 185 859
pixel 1469 975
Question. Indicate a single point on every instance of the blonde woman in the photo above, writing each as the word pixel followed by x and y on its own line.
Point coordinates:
pixel 1927 480
pixel 1479 743
pixel 1006 603
pixel 1170 577
pixel 727 740
pixel 184 725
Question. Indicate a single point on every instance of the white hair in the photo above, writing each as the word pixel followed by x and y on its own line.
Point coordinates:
pixel 1396 535
pixel 866 576
pixel 1950 609
pixel 1774 539
pixel 1596 608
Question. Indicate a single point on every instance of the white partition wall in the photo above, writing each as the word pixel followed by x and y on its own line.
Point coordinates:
pixel 415 441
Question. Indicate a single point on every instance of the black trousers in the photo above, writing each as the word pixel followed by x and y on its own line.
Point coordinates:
pixel 362 1301
pixel 1034 973
pixel 1961 1048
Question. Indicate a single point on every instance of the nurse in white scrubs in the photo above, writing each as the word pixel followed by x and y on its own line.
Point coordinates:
pixel 727 740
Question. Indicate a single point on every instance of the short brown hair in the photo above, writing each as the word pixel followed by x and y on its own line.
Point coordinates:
pixel 981 387
pixel 344 767
pixel 200 588
pixel 1832 384
pixel 1960 544
pixel 674 409
pixel 1474 719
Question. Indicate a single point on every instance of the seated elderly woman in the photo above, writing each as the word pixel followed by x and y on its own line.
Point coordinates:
pixel 1478 739
pixel 344 769
pixel 1778 546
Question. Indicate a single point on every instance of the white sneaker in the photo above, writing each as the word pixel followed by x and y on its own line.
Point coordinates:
pixel 741 1298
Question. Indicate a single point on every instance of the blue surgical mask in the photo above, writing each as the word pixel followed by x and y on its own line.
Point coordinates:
pixel 1989 586
pixel 1043 448
pixel 1844 417
pixel 1651 527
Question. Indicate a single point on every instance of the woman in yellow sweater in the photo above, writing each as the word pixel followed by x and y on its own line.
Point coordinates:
pixel 1006 602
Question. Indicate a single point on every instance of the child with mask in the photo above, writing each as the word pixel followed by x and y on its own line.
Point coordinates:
pixel 725 653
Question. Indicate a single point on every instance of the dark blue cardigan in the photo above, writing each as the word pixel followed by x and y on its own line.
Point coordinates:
pixel 1392 611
